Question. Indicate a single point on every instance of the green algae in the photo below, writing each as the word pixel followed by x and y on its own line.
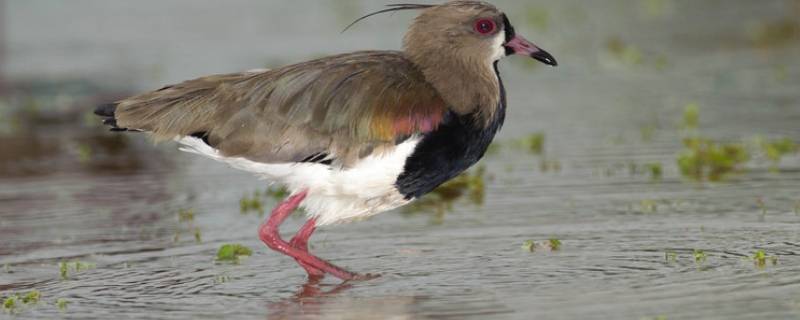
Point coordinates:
pixel 776 150
pixel 251 204
pixel 65 267
pixel 691 116
pixel 10 304
pixel 555 244
pixel 233 252
pixel 14 303
pixel 760 259
pixel 552 244
pixel 655 170
pixel 700 256
pixel 61 304
pixel 277 193
pixel 704 159
pixel 470 185
pixel 529 245
pixel 186 215
pixel 670 256
pixel 32 297
pixel 534 143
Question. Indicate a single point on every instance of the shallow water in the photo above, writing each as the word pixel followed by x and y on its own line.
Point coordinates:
pixel 70 191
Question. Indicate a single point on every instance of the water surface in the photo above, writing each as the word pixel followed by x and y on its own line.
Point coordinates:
pixel 69 191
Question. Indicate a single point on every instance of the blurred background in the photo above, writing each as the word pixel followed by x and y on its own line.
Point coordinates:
pixel 661 156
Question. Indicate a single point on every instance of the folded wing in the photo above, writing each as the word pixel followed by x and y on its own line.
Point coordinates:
pixel 337 109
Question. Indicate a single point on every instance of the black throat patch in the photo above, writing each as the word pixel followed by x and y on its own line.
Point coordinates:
pixel 510 34
pixel 443 154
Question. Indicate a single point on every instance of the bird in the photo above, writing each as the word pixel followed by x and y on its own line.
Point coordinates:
pixel 349 135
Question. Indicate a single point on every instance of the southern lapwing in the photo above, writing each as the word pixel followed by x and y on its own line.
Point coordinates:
pixel 349 135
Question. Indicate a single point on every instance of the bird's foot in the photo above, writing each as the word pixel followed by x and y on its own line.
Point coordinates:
pixel 317 268
pixel 302 244
pixel 297 247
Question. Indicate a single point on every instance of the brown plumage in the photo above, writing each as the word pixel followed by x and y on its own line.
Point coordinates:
pixel 347 105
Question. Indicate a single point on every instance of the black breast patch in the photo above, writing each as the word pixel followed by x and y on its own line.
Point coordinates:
pixel 441 155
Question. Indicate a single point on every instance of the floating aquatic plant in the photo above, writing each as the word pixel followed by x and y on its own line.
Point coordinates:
pixel 691 116
pixel 704 159
pixel 775 150
pixel 533 143
pixel 655 170
pixel 647 132
pixel 471 184
pixel 648 206
pixel 14 302
pixel 31 297
pixel 670 256
pixel 549 165
pixel 63 270
pixel 84 153
pixel 233 252
pixel 61 304
pixel 186 215
pixel 760 259
pixel 552 244
pixel 529 245
pixel 248 204
pixel 555 244
pixel 10 304
pixel 76 266
pixel 699 256
pixel 277 193
pixel 222 278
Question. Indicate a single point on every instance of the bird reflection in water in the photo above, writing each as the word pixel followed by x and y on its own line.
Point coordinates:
pixel 315 300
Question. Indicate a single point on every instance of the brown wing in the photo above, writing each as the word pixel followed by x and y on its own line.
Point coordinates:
pixel 343 106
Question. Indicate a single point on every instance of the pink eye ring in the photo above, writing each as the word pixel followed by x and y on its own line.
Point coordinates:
pixel 485 26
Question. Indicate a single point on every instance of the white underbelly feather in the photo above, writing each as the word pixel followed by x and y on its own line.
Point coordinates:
pixel 334 196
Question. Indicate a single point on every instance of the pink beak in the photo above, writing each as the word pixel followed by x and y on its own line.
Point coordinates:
pixel 521 46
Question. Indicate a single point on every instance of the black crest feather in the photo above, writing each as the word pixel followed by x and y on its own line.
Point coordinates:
pixel 392 8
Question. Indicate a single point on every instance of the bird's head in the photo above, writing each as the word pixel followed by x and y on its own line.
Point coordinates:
pixel 469 30
pixel 456 46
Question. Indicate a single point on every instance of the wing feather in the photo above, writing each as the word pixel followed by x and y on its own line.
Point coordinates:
pixel 345 106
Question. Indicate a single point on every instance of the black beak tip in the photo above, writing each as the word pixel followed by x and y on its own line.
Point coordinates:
pixel 544 57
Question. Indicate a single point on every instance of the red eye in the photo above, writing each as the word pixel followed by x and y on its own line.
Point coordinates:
pixel 484 26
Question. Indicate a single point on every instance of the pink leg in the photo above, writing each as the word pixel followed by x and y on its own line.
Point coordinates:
pixel 300 241
pixel 269 234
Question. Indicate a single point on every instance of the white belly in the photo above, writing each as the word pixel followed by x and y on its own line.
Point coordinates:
pixel 334 196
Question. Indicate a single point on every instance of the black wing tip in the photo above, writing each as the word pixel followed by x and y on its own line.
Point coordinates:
pixel 108 112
